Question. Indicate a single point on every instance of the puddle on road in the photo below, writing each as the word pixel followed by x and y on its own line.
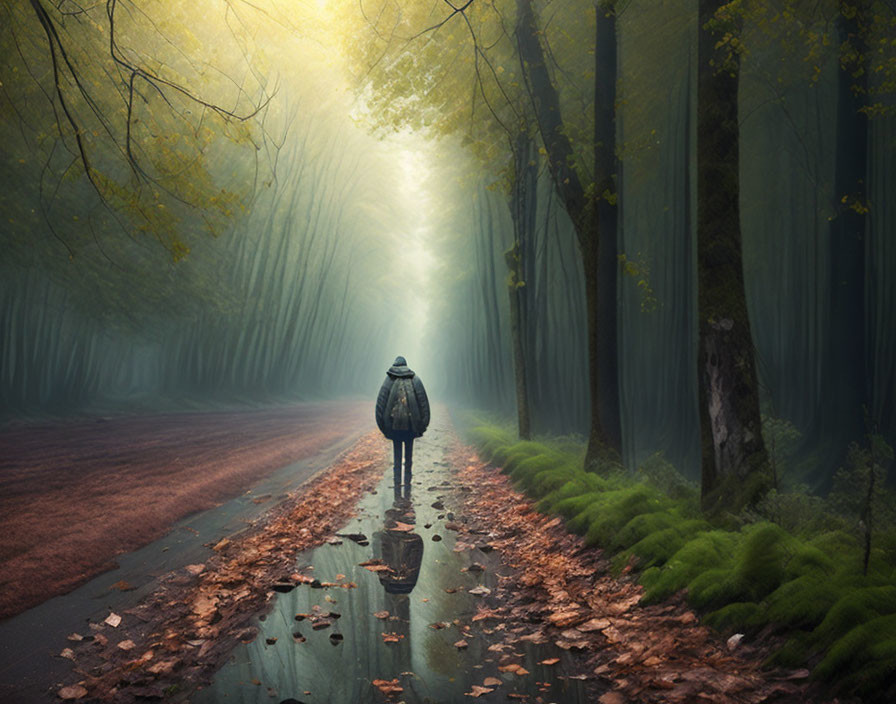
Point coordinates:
pixel 337 661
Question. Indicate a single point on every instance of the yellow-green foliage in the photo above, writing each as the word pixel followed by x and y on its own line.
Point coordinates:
pixel 755 576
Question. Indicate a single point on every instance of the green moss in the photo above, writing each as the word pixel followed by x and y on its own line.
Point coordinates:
pixel 749 576
pixel 549 480
pixel 642 525
pixel 793 653
pixel 658 547
pixel 802 602
pixel 619 507
pixel 808 559
pixel 854 608
pixel 739 616
pixel 864 658
pixel 760 565
pixel 704 551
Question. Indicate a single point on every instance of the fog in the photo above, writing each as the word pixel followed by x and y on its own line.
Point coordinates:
pixel 234 203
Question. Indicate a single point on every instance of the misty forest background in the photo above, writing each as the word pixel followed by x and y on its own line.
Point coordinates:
pixel 238 202
pixel 655 236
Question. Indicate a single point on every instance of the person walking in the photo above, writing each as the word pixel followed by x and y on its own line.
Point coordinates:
pixel 402 414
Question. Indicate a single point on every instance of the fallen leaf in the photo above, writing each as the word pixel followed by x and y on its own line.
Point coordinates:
pixel 391 637
pixel 549 661
pixel 564 619
pixel 480 591
pixel 220 545
pixel 611 698
pixel 402 527
pixel 381 614
pixel 76 637
pixel 478 691
pixel 375 566
pixel 195 569
pixel 126 645
pixel 123 586
pixel 461 644
pixel 514 669
pixel 72 691
pixel 388 686
pixel 595 624
pixel 492 682
pixel 68 653
pixel 113 619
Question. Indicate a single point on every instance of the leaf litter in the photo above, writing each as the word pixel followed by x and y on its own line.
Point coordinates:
pixel 189 624
pixel 563 593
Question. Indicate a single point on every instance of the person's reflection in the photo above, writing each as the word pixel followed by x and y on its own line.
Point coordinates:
pixel 400 549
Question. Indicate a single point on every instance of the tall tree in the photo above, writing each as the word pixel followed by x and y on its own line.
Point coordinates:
pixel 592 207
pixel 844 364
pixel 733 453
pixel 520 264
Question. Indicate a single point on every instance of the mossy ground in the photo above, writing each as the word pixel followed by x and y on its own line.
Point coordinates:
pixel 805 583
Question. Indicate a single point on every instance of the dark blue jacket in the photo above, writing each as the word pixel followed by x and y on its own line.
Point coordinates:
pixel 418 404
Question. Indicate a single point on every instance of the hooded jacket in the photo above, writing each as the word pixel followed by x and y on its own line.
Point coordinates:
pixel 418 403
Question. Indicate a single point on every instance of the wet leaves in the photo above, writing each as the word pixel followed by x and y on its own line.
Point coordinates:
pixel 381 614
pixel 375 566
pixel 461 644
pixel 480 591
pixel 563 593
pixel 514 669
pixel 190 619
pixel 477 691
pixel 123 586
pixel 75 691
pixel 388 687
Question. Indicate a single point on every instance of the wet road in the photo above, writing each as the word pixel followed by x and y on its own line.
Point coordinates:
pixel 75 495
pixel 30 667
pixel 402 623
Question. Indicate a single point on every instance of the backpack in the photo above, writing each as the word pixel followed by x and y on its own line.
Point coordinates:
pixel 398 408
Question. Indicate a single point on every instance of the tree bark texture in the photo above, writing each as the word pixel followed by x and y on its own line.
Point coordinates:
pixel 733 454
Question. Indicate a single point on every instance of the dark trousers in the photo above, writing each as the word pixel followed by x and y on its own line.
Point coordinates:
pixel 408 443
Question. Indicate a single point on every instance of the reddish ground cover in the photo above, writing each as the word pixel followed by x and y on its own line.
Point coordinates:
pixel 74 495
pixel 185 629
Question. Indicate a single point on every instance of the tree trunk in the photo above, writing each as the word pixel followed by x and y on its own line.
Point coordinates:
pixel 584 212
pixel 733 454
pixel 841 417
pixel 606 170
pixel 521 381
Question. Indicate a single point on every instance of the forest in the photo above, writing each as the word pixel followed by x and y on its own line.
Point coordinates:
pixel 639 251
